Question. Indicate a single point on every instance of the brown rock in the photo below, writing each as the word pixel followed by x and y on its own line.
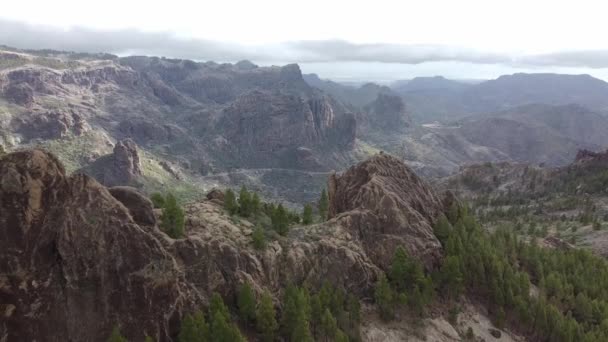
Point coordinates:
pixel 139 206
pixel 126 160
pixel 385 204
pixel 215 195
pixel 74 264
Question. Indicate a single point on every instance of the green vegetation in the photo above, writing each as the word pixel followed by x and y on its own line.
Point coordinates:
pixel 280 220
pixel 266 322
pixel 323 205
pixel 116 336
pixel 172 218
pixel 572 301
pixel 259 238
pixel 194 328
pixel 307 214
pixel 158 200
pixel 230 203
pixel 269 218
pixel 246 303
pixel 221 328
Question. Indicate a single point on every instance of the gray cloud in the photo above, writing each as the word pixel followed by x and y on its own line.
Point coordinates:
pixel 587 59
pixel 131 41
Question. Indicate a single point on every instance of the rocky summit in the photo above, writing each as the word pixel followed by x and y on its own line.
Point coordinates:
pixel 80 258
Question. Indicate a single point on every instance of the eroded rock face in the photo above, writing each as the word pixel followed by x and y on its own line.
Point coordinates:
pixel 387 112
pixel 74 263
pixel 51 124
pixel 387 205
pixel 261 125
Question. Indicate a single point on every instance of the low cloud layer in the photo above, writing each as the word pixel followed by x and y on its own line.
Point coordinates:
pixel 20 35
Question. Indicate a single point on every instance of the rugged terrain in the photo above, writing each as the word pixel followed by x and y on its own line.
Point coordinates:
pixel 80 258
pixel 194 126
pixel 567 205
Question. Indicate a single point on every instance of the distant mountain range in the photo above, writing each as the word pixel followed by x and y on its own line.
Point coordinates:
pixel 437 98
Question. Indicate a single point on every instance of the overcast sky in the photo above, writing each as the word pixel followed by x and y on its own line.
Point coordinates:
pixel 378 40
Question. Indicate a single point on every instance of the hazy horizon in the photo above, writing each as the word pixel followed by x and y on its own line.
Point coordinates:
pixel 380 42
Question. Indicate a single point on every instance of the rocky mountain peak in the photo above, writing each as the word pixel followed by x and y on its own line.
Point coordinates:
pixel 385 202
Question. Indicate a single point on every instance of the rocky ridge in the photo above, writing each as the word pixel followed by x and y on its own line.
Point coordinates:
pixel 68 240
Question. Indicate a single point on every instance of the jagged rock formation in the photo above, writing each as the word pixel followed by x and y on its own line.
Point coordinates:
pixel 388 205
pixel 122 167
pixel 74 263
pixel 78 259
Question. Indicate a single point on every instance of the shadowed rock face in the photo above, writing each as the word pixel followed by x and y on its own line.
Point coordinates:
pixel 74 263
pixel 387 113
pixel 387 205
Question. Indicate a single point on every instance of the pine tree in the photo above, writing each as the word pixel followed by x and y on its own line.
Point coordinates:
pixel 244 202
pixel 340 336
pixel 385 299
pixel 442 228
pixel 222 330
pixel 301 332
pixel 400 270
pixel 329 326
pixel 194 328
pixel 217 305
pixel 452 278
pixel 256 204
pixel 266 322
pixel 246 303
pixel 230 203
pixel 307 214
pixel 116 336
pixel 323 205
pixel 172 218
pixel 280 220
pixel 259 238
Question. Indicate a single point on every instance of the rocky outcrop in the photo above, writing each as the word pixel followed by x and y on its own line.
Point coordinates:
pixel 144 131
pixel 126 160
pixel 122 167
pixel 139 206
pixel 263 126
pixel 385 204
pixel 74 264
pixel 50 124
pixel 387 113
